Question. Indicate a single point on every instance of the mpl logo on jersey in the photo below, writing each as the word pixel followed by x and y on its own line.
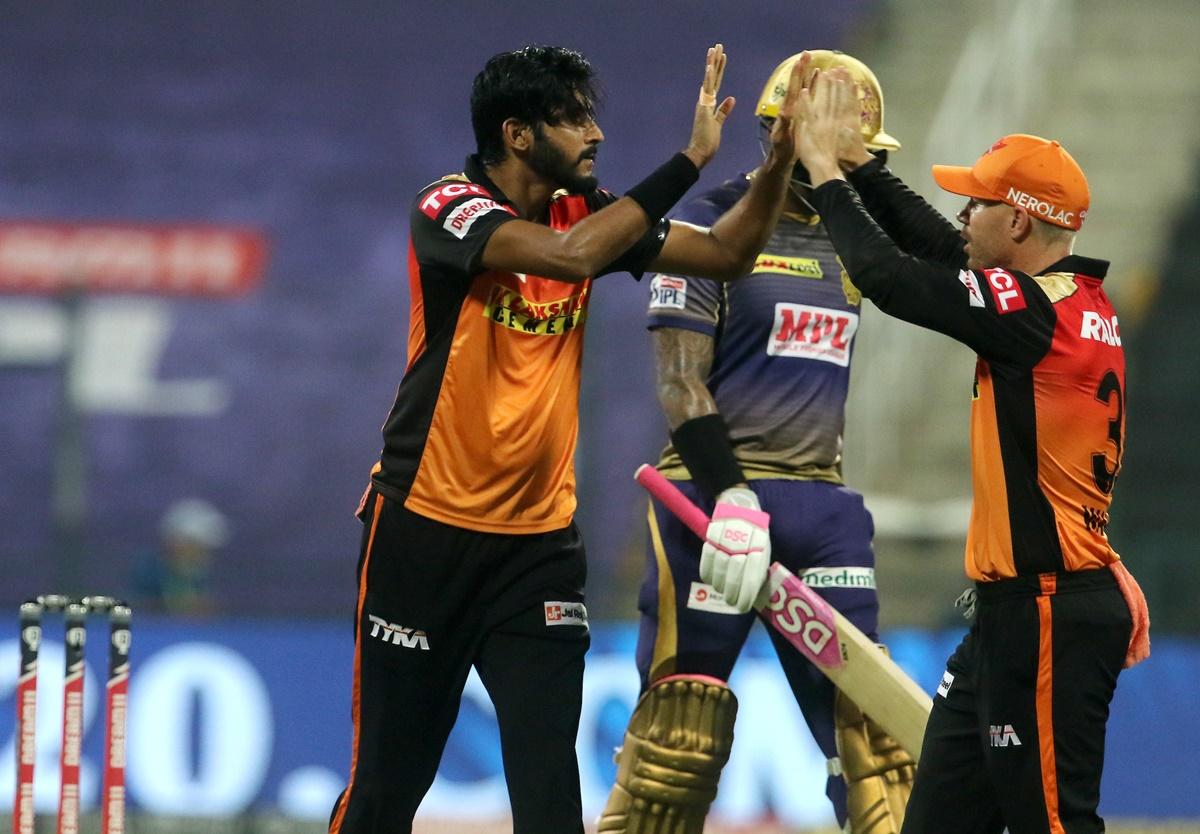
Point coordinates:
pixel 806 332
pixel 507 307
pixel 668 292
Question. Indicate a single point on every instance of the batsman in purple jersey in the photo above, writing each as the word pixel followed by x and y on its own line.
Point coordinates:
pixel 753 377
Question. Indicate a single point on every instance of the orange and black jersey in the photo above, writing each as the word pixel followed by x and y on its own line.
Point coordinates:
pixel 482 434
pixel 1048 412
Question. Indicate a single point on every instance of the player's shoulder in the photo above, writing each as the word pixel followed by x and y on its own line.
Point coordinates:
pixel 456 205
pixel 706 207
pixel 1066 278
pixel 437 198
pixel 1057 285
pixel 1004 290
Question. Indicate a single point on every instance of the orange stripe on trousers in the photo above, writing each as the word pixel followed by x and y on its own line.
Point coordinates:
pixel 336 826
pixel 1045 702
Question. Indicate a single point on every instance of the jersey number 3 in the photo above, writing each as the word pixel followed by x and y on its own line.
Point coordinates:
pixel 1110 386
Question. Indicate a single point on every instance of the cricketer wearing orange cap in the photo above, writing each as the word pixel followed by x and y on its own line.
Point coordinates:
pixel 1026 172
pixel 1016 736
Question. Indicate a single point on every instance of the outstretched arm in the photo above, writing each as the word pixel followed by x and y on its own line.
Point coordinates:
pixel 599 239
pixel 727 250
pixel 916 227
pixel 1002 315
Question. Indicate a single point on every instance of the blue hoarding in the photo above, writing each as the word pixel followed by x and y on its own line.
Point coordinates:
pixel 255 716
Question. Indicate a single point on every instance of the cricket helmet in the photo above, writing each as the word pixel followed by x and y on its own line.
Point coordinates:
pixel 866 86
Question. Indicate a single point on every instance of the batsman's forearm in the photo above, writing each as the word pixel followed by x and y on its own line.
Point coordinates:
pixel 683 359
pixel 744 230
pixel 682 402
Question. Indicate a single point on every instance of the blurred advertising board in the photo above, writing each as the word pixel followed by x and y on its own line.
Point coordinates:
pixel 254 716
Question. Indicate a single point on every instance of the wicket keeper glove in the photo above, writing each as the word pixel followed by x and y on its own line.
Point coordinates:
pixel 737 548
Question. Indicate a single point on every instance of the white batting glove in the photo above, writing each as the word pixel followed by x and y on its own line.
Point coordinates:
pixel 737 548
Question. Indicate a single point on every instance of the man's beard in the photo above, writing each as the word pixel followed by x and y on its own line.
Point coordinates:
pixel 547 160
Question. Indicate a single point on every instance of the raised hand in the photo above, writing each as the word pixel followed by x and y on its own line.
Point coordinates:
pixel 825 106
pixel 784 144
pixel 852 148
pixel 710 117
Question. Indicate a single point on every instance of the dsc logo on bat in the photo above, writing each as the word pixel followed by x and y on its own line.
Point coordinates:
pixel 799 612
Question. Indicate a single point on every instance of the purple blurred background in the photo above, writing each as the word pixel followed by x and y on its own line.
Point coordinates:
pixel 315 123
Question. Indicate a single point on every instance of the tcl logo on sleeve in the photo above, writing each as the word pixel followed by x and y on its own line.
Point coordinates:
pixel 437 199
pixel 1005 290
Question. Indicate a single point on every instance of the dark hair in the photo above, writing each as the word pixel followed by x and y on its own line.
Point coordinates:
pixel 537 85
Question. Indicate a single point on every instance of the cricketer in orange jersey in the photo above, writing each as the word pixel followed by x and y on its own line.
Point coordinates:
pixel 1016 736
pixel 469 554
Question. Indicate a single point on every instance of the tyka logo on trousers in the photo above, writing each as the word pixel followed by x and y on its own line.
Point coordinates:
pixel 409 638
pixel 1002 735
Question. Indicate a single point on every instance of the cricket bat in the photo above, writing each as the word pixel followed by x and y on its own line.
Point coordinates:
pixel 845 655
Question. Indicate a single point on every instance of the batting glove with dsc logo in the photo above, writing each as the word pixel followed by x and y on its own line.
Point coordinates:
pixel 737 548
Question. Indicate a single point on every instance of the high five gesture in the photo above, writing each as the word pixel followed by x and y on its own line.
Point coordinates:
pixel 710 117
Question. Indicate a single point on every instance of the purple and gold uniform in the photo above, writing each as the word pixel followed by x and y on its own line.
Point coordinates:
pixel 783 341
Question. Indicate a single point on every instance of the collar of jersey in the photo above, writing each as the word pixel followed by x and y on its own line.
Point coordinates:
pixel 1078 264
pixel 477 174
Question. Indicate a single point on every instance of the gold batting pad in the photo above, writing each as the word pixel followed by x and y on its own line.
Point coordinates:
pixel 677 741
pixel 878 772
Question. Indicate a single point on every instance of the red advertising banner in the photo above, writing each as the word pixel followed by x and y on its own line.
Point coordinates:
pixel 179 259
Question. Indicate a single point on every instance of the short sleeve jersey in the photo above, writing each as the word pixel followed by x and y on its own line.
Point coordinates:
pixel 482 434
pixel 784 338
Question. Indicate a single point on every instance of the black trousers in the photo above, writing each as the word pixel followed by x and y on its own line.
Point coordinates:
pixel 435 600
pixel 1016 736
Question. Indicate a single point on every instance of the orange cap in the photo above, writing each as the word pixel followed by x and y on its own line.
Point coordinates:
pixel 1033 173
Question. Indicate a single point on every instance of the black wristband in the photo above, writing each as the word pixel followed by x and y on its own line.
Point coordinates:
pixel 703 443
pixel 658 193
